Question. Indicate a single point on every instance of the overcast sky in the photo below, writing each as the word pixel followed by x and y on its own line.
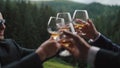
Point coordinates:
pixel 108 2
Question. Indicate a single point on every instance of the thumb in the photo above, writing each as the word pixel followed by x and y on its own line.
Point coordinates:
pixel 90 22
pixel 51 38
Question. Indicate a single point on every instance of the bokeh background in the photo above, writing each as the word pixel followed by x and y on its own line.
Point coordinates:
pixel 26 21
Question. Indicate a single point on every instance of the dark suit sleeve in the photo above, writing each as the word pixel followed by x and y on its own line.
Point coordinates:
pixel 30 61
pixel 28 58
pixel 23 51
pixel 107 59
pixel 106 43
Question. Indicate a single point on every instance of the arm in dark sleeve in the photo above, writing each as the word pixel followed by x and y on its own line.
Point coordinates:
pixel 23 51
pixel 106 43
pixel 107 59
pixel 30 61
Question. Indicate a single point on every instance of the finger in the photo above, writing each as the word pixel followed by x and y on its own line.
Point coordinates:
pixel 90 21
pixel 69 34
pixel 84 23
pixel 79 21
pixel 78 39
pixel 58 45
pixel 67 48
pixel 66 43
pixel 51 38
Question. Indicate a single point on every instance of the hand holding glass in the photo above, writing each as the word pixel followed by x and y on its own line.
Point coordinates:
pixel 54 25
pixel 67 27
pixel 83 16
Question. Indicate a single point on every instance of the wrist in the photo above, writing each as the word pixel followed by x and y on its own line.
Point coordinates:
pixel 41 54
pixel 94 35
pixel 85 51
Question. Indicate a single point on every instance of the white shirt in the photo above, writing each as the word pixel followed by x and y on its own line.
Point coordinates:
pixel 92 53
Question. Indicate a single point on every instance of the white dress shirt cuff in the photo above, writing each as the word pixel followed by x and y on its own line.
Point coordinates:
pixel 92 55
pixel 91 40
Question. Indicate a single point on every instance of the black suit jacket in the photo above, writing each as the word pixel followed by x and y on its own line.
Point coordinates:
pixel 106 43
pixel 14 56
pixel 109 54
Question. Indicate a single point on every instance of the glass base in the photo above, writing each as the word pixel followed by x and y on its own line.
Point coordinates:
pixel 65 53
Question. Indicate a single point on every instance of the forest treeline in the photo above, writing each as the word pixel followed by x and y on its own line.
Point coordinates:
pixel 27 22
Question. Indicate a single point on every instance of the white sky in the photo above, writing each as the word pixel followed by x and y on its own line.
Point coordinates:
pixel 108 2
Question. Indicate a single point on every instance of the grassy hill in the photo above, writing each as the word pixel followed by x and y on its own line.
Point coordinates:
pixel 56 63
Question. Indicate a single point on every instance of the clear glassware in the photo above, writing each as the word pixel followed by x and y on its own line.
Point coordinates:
pixel 54 25
pixel 69 27
pixel 83 16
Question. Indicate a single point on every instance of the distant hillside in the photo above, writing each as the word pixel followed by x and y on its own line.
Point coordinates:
pixel 94 9
pixel 105 17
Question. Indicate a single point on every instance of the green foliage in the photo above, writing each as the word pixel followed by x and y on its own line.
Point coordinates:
pixel 105 17
pixel 27 22
pixel 56 63
pixel 59 6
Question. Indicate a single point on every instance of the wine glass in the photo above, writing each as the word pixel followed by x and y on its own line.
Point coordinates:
pixel 83 16
pixel 69 27
pixel 54 25
pixel 67 19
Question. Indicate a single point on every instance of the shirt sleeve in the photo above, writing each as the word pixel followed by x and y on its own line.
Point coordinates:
pixel 30 61
pixel 91 55
pixel 93 40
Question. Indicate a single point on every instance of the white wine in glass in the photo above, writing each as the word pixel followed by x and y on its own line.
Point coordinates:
pixel 54 25
pixel 83 16
pixel 67 27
